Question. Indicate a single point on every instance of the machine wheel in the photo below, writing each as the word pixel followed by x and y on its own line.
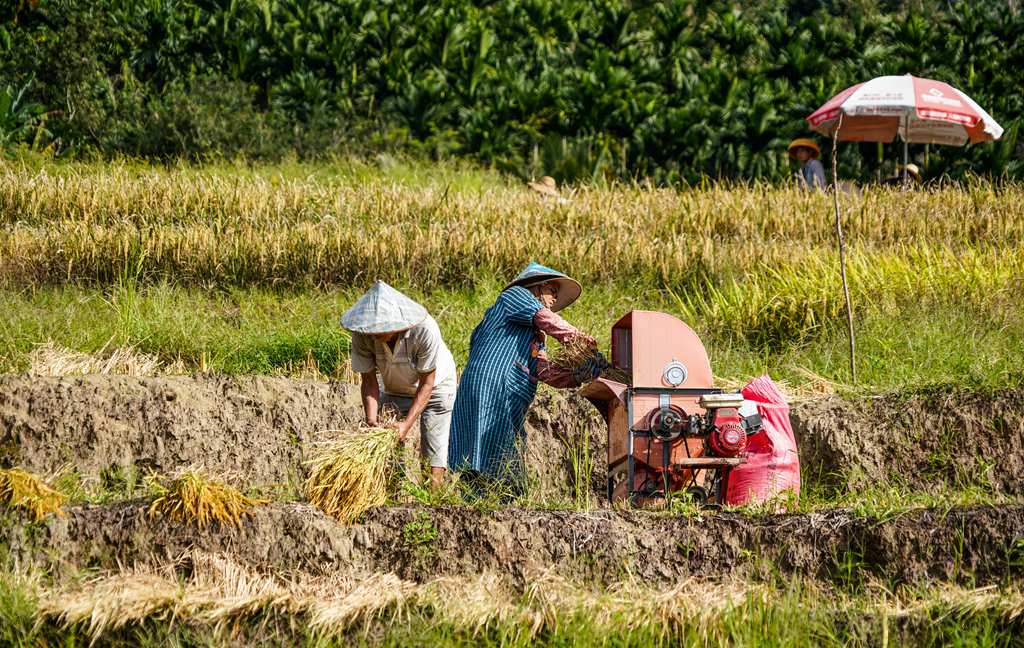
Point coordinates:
pixel 698 494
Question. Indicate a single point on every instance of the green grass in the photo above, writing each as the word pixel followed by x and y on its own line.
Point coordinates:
pixel 914 342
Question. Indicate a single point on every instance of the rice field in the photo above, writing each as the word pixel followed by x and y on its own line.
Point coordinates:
pixel 125 268
pixel 96 257
pixel 103 223
pixel 223 601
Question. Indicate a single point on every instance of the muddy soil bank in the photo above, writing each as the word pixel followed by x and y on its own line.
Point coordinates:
pixel 977 545
pixel 926 441
pixel 260 430
pixel 252 427
pixel 256 429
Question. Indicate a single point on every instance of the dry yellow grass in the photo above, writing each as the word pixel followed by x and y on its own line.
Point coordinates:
pixel 21 489
pixel 100 221
pixel 49 359
pixel 221 592
pixel 350 473
pixel 196 498
pixel 572 353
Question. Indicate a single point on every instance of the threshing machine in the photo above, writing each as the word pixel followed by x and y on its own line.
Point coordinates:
pixel 669 430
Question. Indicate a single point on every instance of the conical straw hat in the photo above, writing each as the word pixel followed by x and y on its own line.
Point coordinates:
pixel 382 309
pixel 568 288
pixel 546 186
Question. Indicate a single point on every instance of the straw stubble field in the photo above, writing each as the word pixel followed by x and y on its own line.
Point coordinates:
pixel 122 268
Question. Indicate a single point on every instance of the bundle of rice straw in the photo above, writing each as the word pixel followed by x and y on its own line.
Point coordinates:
pixel 349 474
pixel 194 497
pixel 576 351
pixel 573 353
pixel 623 376
pixel 21 489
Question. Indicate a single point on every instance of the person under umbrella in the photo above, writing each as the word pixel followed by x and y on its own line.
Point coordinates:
pixel 907 176
pixel 812 173
pixel 506 361
pixel 394 336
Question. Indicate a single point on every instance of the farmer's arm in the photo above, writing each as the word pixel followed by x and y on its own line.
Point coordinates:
pixel 426 343
pixel 370 391
pixel 818 174
pixel 551 374
pixel 419 403
pixel 364 363
pixel 555 325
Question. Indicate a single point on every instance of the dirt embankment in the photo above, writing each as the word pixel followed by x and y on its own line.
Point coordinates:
pixel 260 429
pixel 251 427
pixel 951 438
pixel 979 545
pixel 257 429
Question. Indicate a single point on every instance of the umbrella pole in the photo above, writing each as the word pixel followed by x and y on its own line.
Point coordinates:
pixel 842 250
pixel 905 161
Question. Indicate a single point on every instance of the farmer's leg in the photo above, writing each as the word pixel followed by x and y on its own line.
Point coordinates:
pixel 435 427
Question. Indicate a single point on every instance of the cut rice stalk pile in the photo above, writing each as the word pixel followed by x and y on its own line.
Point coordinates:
pixel 195 497
pixel 21 489
pixel 576 351
pixel 349 474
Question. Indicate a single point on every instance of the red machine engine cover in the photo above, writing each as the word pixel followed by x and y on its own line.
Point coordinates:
pixel 728 440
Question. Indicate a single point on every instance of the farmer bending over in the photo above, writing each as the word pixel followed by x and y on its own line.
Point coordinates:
pixel 506 360
pixel 394 336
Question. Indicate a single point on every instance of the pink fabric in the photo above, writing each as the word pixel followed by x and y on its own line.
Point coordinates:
pixel 773 465
pixel 552 323
pixel 552 374
pixel 919 110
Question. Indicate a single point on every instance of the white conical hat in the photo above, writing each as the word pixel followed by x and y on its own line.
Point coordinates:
pixel 383 310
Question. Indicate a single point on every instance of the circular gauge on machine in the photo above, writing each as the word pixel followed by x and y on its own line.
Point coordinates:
pixel 674 373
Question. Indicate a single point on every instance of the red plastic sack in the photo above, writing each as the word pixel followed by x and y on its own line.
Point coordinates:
pixel 773 466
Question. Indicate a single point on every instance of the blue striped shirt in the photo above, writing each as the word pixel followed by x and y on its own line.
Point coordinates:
pixel 496 388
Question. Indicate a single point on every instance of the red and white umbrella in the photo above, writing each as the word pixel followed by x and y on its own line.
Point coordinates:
pixel 921 111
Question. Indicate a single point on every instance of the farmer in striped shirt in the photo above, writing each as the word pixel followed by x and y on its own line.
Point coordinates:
pixel 506 360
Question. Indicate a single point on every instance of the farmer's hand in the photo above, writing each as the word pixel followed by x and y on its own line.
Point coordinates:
pixel 590 369
pixel 403 427
pixel 591 342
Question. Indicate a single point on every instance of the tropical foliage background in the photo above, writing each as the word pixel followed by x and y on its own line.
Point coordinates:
pixel 673 91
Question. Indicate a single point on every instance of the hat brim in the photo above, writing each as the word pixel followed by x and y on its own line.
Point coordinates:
pixel 543 188
pixel 815 153
pixel 569 290
pixel 382 328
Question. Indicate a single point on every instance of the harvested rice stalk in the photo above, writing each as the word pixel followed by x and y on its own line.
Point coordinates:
pixel 572 353
pixel 194 497
pixel 349 474
pixel 21 489
pixel 576 351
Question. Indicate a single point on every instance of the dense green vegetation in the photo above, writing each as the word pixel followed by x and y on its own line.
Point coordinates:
pixel 293 333
pixel 671 90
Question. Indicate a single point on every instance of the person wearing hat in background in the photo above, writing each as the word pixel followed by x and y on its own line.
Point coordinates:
pixel 906 176
pixel 548 189
pixel 812 173
pixel 395 337
pixel 506 361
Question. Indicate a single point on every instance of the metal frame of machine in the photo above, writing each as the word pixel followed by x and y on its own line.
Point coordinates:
pixel 694 464
pixel 670 412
